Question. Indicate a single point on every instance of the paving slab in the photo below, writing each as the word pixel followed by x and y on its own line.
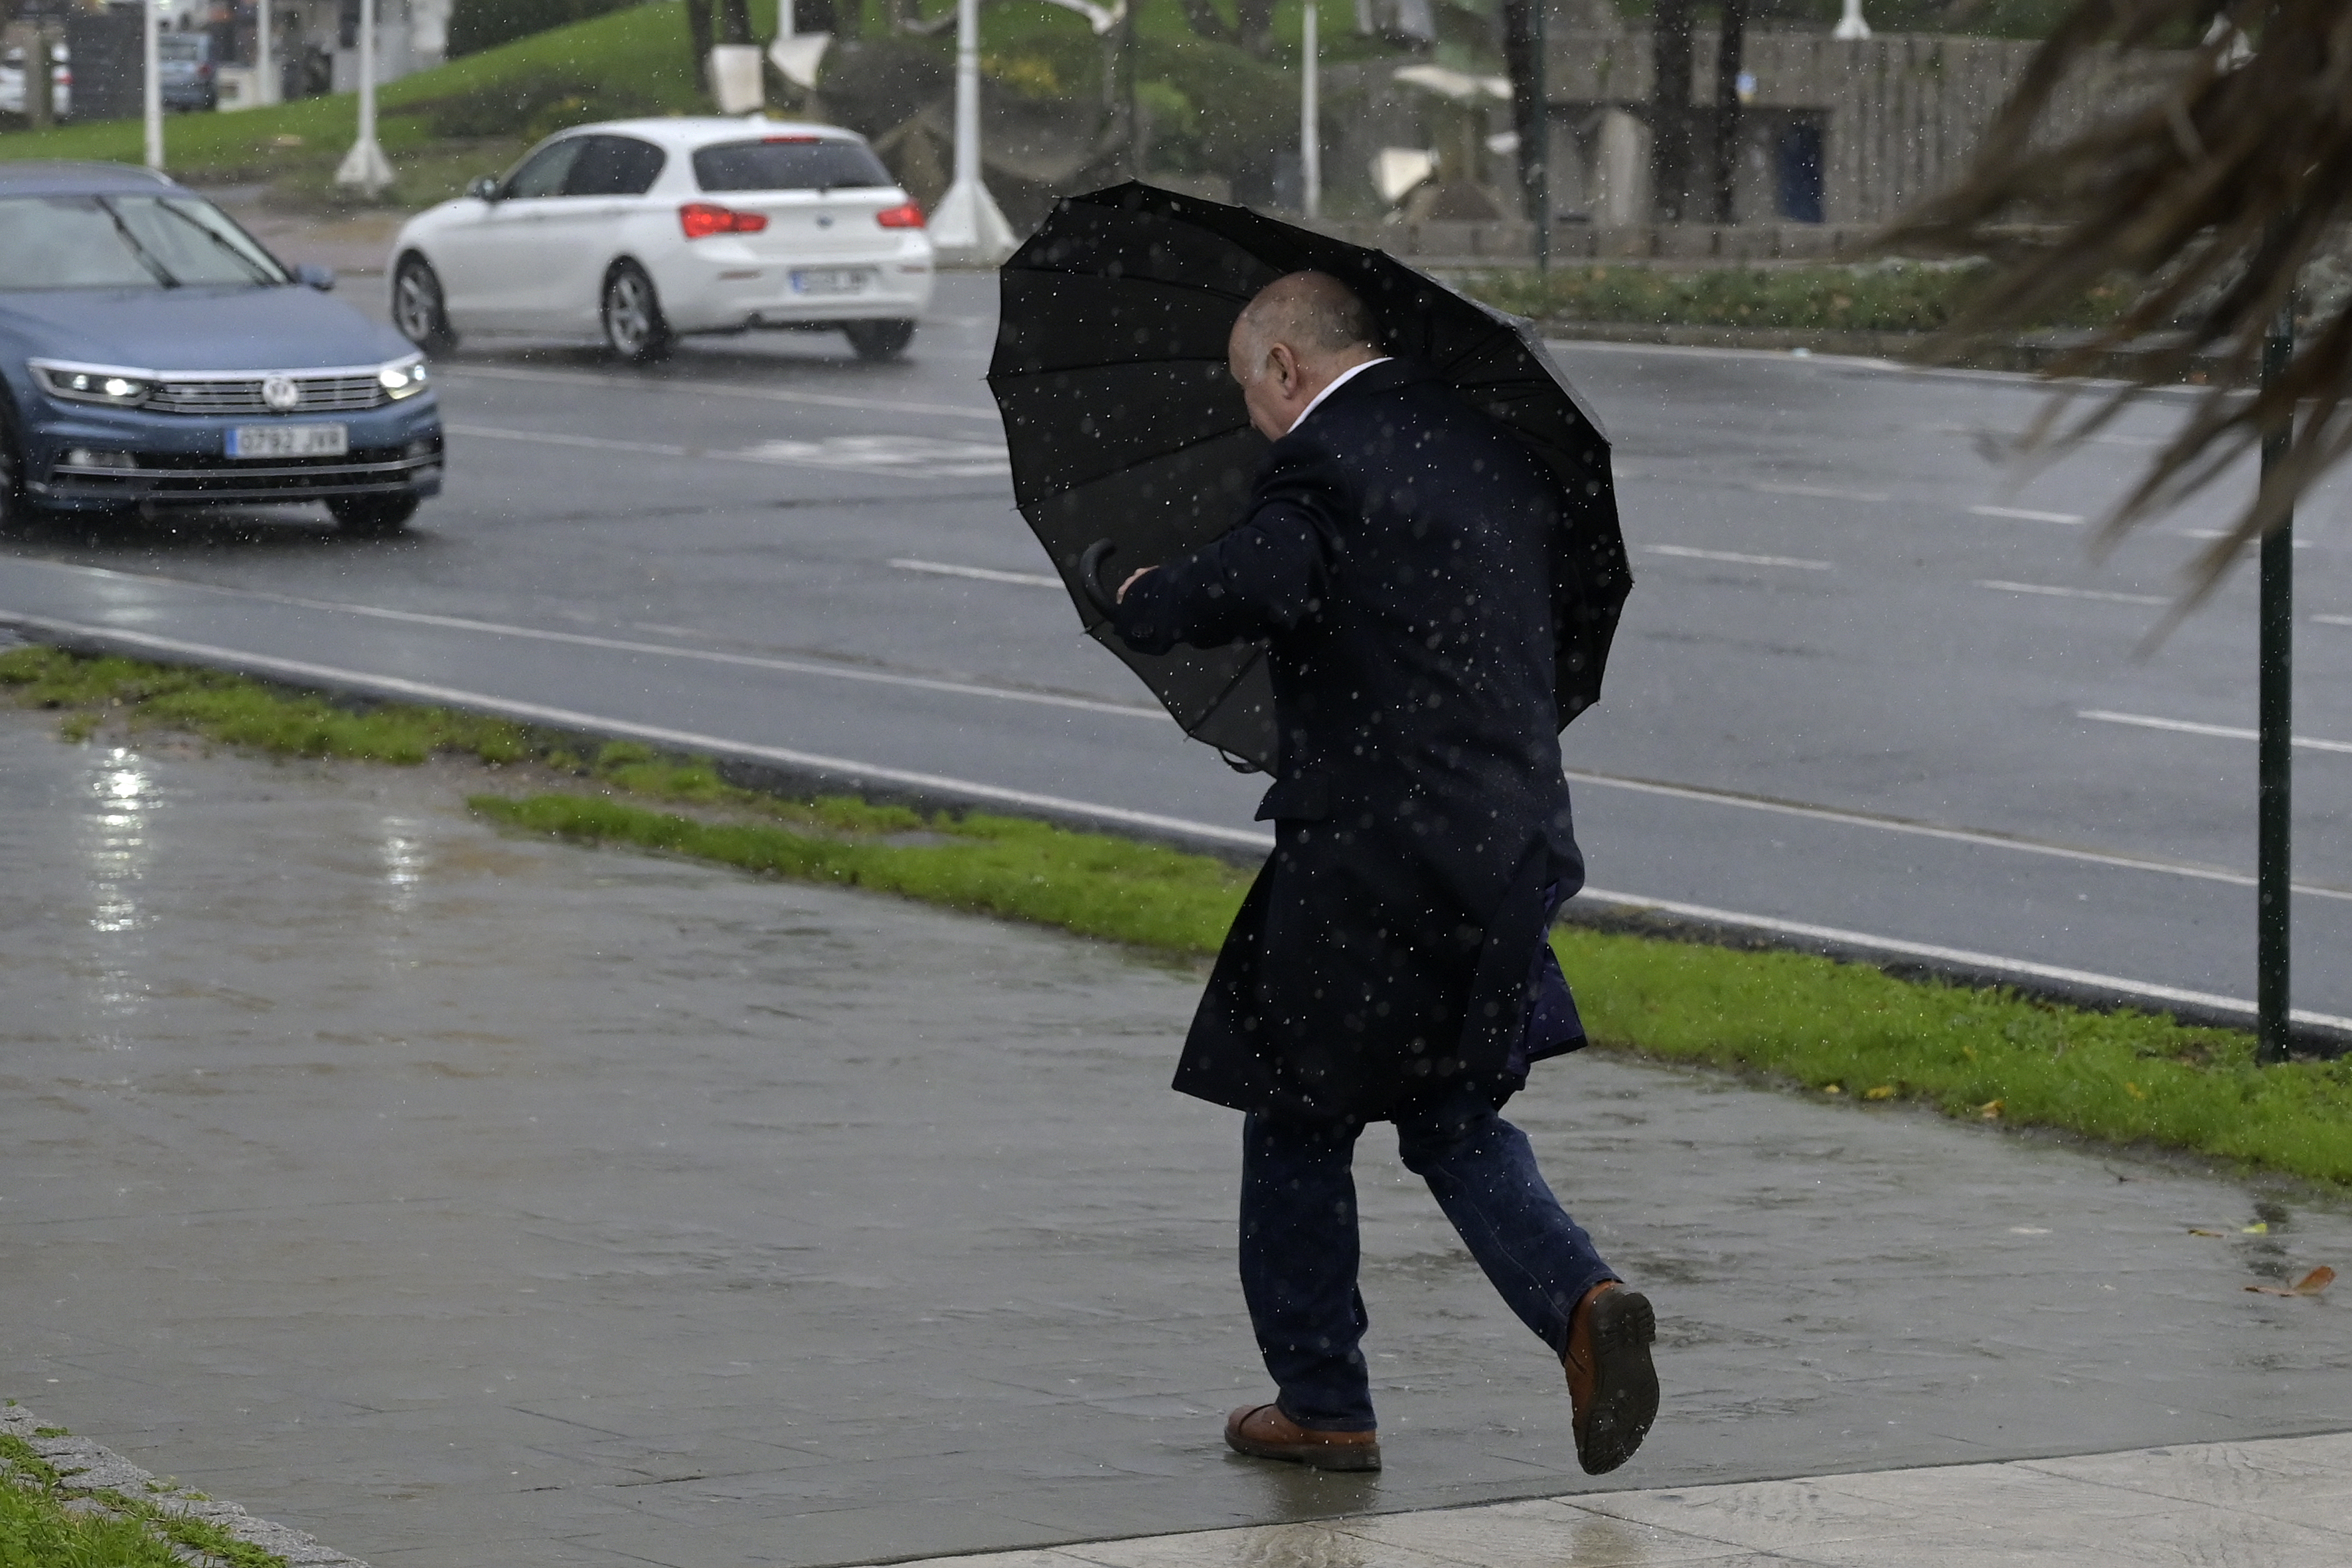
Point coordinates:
pixel 435 1191
pixel 2218 1505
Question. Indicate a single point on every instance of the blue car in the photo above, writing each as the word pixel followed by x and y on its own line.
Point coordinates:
pixel 152 353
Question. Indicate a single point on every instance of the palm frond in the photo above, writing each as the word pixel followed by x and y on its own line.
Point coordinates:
pixel 2206 195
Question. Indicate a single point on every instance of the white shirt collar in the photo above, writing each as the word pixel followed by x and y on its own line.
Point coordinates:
pixel 1338 382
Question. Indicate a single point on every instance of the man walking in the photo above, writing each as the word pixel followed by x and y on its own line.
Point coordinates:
pixel 1390 963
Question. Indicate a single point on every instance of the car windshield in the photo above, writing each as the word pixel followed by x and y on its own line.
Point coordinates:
pixel 788 163
pixel 125 242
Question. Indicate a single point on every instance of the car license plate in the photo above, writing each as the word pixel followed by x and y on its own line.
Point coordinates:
pixel 829 280
pixel 289 441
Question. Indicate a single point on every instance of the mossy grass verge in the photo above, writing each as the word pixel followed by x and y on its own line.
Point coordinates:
pixel 1829 1028
pixel 47 1521
pixel 1872 297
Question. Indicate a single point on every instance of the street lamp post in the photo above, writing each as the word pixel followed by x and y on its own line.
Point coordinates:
pixel 2275 750
pixel 151 93
pixel 265 63
pixel 1310 132
pixel 364 167
pixel 969 227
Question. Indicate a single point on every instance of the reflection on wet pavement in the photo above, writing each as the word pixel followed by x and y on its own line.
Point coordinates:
pixel 461 1198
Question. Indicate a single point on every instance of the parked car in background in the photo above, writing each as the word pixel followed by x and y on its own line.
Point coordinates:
pixel 184 71
pixel 154 353
pixel 12 82
pixel 645 230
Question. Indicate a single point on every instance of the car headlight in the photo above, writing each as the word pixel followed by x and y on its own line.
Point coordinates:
pixel 94 383
pixel 404 378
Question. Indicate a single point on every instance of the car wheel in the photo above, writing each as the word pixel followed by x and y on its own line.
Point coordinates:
pixel 634 328
pixel 879 340
pixel 371 517
pixel 418 309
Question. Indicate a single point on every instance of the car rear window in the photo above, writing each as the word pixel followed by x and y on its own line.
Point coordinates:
pixel 789 163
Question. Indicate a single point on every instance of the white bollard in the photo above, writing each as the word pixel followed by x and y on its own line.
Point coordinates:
pixel 1310 129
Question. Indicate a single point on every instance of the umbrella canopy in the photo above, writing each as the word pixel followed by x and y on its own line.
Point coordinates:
pixel 1123 423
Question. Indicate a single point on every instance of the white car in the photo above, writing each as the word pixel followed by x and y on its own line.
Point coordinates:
pixel 648 229
pixel 12 83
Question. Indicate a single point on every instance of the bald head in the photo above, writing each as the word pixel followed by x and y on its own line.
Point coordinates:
pixel 1301 330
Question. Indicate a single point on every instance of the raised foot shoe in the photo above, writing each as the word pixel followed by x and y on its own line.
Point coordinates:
pixel 1263 1432
pixel 1611 1383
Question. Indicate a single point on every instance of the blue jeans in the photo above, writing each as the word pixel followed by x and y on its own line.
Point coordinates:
pixel 1299 1250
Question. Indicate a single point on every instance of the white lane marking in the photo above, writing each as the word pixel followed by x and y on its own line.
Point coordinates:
pixel 979 573
pixel 887 454
pixel 1955 956
pixel 2334 620
pixel 2188 868
pixel 848 770
pixel 1685 553
pixel 620 644
pixel 2212 533
pixel 2219 732
pixel 716 389
pixel 1819 492
pixel 2103 595
pixel 2026 514
pixel 597 723
pixel 922 456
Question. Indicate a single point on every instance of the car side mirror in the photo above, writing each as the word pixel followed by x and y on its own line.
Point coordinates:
pixel 485 189
pixel 322 279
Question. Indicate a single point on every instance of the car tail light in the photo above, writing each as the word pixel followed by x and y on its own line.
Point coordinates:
pixel 700 220
pixel 204 70
pixel 908 215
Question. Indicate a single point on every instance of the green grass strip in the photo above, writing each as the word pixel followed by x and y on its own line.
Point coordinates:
pixel 47 1521
pixel 1879 297
pixel 1828 1027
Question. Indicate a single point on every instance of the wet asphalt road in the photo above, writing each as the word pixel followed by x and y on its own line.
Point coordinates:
pixel 1841 608
pixel 466 1199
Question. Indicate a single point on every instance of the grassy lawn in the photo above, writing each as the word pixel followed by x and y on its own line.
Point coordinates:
pixel 1811 1025
pixel 47 1521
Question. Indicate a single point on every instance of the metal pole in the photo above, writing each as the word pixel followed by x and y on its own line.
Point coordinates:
pixel 1310 122
pixel 1536 161
pixel 153 92
pixel 265 65
pixel 365 166
pixel 2275 823
pixel 969 228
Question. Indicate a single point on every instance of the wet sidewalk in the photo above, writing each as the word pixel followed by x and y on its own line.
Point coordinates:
pixel 460 1198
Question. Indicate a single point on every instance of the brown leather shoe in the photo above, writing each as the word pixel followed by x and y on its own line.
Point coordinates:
pixel 1612 1385
pixel 1263 1432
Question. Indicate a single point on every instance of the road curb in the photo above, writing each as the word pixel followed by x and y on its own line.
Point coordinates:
pixel 88 1466
pixel 776 770
pixel 2030 354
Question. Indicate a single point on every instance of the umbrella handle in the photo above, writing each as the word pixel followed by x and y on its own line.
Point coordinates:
pixel 1090 577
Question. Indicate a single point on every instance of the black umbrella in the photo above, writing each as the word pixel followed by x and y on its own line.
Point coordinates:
pixel 1123 424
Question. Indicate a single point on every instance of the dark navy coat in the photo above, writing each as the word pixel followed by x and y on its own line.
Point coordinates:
pixel 1397 557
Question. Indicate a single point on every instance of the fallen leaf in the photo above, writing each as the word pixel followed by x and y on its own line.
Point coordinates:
pixel 2194 1231
pixel 2135 1091
pixel 2311 1284
pixel 1831 1088
pixel 2260 1227
pixel 1884 1091
pixel 1989 1110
